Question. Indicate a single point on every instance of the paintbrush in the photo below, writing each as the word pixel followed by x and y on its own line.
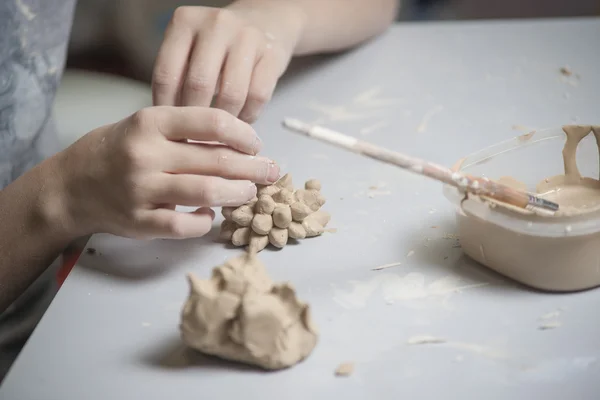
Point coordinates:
pixel 483 187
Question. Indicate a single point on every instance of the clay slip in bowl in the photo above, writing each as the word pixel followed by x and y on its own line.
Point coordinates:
pixel 554 254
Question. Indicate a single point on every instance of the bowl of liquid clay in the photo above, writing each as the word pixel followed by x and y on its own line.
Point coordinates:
pixel 559 252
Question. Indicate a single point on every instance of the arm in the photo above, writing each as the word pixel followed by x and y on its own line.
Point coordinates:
pixel 30 233
pixel 333 25
pixel 238 53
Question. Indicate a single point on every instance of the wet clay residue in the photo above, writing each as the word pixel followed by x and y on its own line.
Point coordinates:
pixel 574 194
pixel 561 261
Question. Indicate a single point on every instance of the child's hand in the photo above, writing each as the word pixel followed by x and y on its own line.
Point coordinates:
pixel 126 178
pixel 237 54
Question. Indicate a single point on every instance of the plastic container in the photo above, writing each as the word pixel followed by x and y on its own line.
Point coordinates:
pixel 548 253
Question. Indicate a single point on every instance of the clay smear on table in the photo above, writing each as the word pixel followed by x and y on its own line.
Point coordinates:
pixel 278 214
pixel 239 314
pixel 563 260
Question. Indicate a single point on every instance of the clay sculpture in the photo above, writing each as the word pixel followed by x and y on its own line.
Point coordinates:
pixel 239 314
pixel 277 214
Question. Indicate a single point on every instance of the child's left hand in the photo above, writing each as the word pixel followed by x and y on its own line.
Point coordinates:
pixel 236 54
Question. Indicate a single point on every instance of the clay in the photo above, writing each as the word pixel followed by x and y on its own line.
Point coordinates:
pixel 265 205
pixel 241 236
pixel 262 224
pixel 344 369
pixel 278 237
pixel 243 215
pixel 279 213
pixel 257 242
pixel 313 184
pixel 282 216
pixel 239 314
pixel 556 262
pixel 296 231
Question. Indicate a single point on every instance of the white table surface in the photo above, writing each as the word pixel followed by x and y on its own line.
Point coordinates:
pixel 439 91
pixel 86 100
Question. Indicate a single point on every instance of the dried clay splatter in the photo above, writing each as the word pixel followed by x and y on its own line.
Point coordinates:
pixel 344 369
pixel 385 266
pixel 393 287
pixel 428 115
pixel 470 347
pixel 424 339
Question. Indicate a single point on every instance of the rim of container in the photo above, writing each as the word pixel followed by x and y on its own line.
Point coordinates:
pixel 534 224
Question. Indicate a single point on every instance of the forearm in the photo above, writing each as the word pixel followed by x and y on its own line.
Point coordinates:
pixel 326 25
pixel 29 236
pixel 334 25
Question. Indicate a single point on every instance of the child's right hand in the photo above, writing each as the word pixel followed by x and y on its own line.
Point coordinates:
pixel 127 178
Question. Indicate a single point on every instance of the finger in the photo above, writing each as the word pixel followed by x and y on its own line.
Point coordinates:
pixel 170 65
pixel 264 78
pixel 170 224
pixel 237 72
pixel 218 160
pixel 201 191
pixel 204 66
pixel 206 125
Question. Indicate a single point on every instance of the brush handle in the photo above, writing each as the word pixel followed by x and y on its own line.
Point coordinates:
pixel 480 186
pixel 413 164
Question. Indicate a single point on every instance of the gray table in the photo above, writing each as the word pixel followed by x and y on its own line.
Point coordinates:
pixel 438 91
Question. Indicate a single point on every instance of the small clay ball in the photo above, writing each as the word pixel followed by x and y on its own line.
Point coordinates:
pixel 243 215
pixel 227 229
pixel 282 216
pixel 262 224
pixel 311 198
pixel 300 211
pixel 265 205
pixel 257 242
pixel 241 236
pixel 312 184
pixel 296 231
pixel 268 190
pixel 278 237
pixel 284 196
pixel 226 212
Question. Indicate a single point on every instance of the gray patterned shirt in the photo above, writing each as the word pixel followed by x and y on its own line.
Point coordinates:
pixel 33 42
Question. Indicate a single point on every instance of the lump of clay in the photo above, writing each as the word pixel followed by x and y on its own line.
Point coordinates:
pixel 277 214
pixel 239 314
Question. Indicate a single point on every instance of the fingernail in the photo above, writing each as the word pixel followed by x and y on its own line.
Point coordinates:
pixel 272 172
pixel 253 190
pixel 256 145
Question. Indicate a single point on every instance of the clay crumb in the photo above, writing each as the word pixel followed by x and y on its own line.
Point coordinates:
pixel 550 315
pixel 410 253
pixel 424 339
pixel 384 266
pixel 91 251
pixel 434 227
pixel 450 236
pixel 522 128
pixel 331 230
pixel 373 193
pixel 566 71
pixel 344 369
pixel 549 325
